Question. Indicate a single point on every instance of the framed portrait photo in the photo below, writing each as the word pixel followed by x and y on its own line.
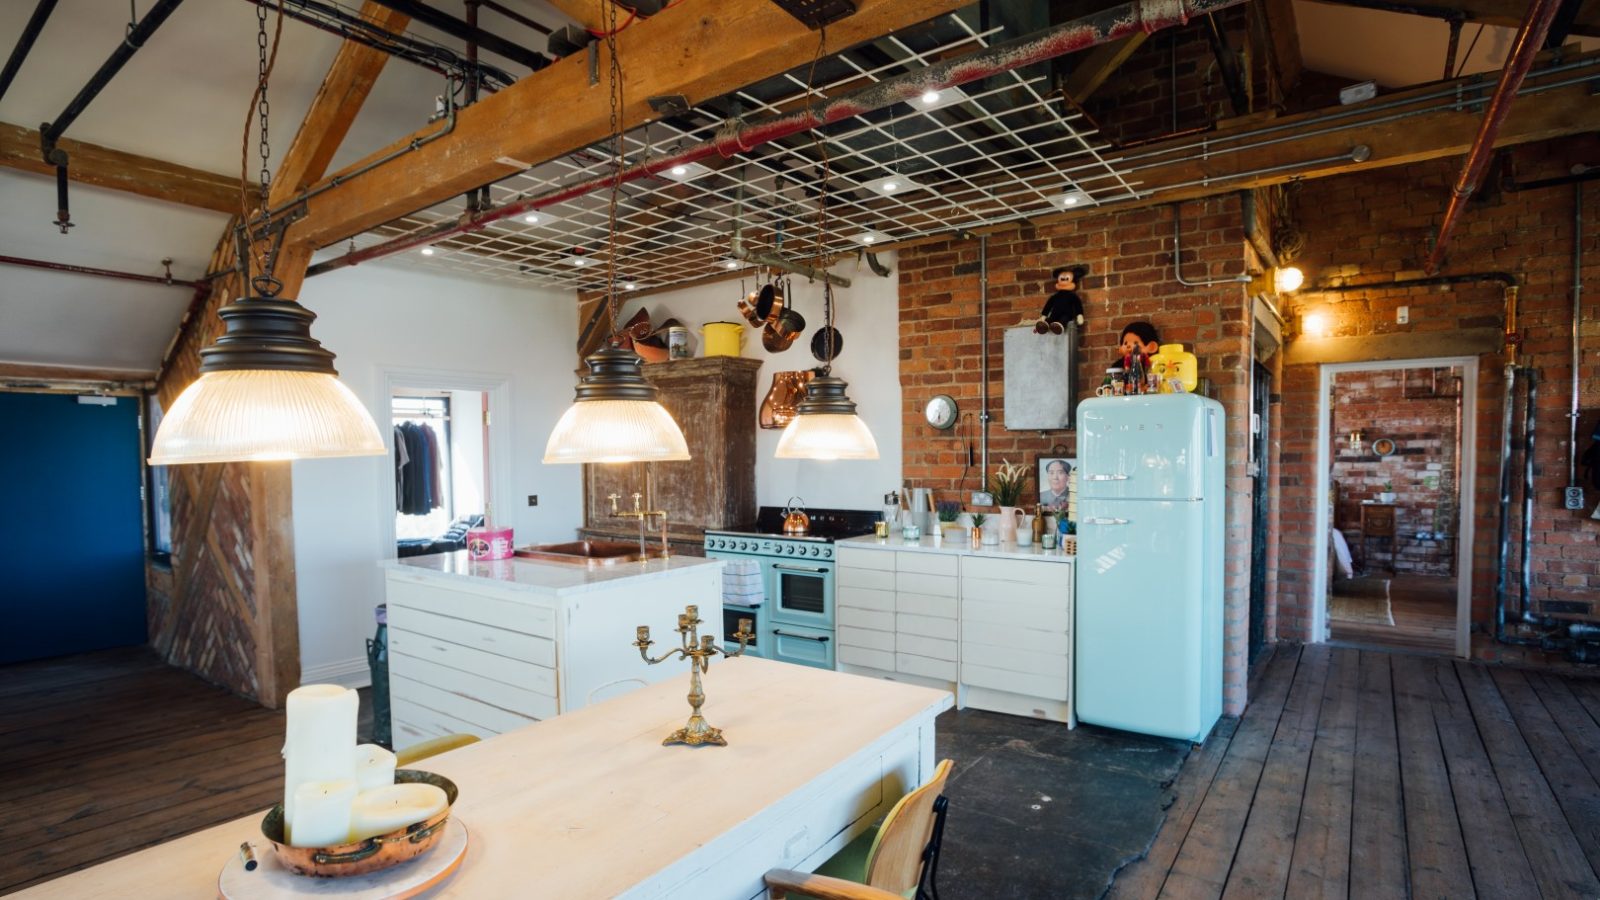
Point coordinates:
pixel 1053 477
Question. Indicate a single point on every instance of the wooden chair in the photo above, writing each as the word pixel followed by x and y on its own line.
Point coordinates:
pixel 433 747
pixel 891 861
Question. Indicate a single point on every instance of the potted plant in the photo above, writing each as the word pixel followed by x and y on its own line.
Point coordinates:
pixel 977 529
pixel 948 511
pixel 1006 485
pixel 1387 494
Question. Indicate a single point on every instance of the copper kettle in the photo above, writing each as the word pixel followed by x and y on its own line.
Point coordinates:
pixel 795 520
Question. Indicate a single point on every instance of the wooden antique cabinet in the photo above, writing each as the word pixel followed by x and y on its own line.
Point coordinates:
pixel 713 400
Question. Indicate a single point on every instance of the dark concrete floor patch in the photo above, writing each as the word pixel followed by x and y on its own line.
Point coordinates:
pixel 1037 810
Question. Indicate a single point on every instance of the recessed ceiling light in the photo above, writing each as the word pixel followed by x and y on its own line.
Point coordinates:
pixel 578 261
pixel 869 237
pixel 427 251
pixel 934 99
pixel 730 264
pixel 685 171
pixel 891 184
pixel 531 219
pixel 1072 199
pixel 629 286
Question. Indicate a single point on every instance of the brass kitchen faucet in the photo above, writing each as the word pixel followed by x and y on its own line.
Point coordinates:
pixel 643 515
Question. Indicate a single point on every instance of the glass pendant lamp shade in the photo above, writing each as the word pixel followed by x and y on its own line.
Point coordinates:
pixel 826 426
pixel 267 391
pixel 615 417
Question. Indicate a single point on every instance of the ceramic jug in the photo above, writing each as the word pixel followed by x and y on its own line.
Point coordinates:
pixel 1025 529
pixel 1010 518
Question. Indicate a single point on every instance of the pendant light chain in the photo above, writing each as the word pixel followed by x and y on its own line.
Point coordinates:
pixel 822 204
pixel 260 110
pixel 610 17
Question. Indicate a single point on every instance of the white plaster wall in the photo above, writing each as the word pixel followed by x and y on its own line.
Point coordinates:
pixel 867 315
pixel 379 319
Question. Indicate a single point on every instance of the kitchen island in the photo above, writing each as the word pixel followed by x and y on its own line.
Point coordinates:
pixel 591 805
pixel 992 624
pixel 488 647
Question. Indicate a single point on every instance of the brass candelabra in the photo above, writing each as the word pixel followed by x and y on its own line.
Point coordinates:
pixel 698 650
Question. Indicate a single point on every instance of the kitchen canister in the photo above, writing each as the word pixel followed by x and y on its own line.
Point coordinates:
pixel 678 342
pixel 722 338
pixel 489 542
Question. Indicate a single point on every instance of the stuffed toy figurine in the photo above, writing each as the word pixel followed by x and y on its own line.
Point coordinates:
pixel 1064 306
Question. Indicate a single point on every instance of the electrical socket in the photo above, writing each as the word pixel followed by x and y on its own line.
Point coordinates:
pixel 533 499
pixel 982 498
pixel 1402 315
pixel 1574 497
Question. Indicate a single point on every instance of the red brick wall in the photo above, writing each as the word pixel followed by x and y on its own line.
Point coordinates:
pixel 1379 226
pixel 1417 410
pixel 1131 278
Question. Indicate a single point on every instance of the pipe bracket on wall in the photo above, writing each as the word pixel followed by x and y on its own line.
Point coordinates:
pixel 878 268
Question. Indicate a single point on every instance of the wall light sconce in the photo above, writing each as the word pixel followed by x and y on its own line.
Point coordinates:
pixel 1355 440
pixel 1287 280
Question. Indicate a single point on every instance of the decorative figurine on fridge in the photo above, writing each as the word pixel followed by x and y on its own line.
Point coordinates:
pixel 1064 307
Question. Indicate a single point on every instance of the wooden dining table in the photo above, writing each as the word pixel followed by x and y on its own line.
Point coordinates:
pixel 591 804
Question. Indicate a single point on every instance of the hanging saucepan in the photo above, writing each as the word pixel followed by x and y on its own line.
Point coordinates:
pixel 769 303
pixel 778 336
pixel 819 343
pixel 747 309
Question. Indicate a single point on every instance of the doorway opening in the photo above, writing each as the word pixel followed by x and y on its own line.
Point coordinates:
pixel 1397 463
pixel 441 466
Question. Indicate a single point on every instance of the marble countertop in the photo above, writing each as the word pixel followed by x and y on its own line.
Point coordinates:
pixel 958 548
pixel 548 578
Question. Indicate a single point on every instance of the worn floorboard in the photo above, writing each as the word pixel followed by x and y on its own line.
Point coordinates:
pixel 1418 777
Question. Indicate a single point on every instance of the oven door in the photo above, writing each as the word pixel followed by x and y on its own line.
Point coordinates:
pixel 802 645
pixel 802 593
pixel 731 614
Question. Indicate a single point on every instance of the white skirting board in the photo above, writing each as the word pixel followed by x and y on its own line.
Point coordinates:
pixel 350 673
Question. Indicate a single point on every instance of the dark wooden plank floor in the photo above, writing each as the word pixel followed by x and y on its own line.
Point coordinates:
pixel 1362 773
pixel 1424 610
pixel 106 753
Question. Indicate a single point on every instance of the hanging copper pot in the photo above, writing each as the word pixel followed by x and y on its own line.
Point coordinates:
pixel 783 398
pixel 747 309
pixel 778 336
pixel 770 304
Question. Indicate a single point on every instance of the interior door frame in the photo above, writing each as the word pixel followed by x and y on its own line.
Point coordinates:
pixel 499 469
pixel 1466 487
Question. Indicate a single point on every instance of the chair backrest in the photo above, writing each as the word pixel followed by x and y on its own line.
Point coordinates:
pixel 895 862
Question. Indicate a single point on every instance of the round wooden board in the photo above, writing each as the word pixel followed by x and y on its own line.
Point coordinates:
pixel 271 881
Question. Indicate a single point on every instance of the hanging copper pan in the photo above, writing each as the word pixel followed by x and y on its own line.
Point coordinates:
pixel 747 309
pixel 779 335
pixel 819 344
pixel 769 304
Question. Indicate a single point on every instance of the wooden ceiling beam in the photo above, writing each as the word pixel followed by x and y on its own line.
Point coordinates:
pixel 119 170
pixel 1506 13
pixel 1281 36
pixel 344 89
pixel 697 51
pixel 588 14
pixel 1093 68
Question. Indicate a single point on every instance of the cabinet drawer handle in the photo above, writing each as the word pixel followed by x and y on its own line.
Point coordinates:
pixel 803 637
pixel 1106 477
pixel 1099 520
pixel 799 568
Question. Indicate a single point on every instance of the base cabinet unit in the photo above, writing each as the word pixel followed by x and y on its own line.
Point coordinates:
pixel 993 627
pixel 486 648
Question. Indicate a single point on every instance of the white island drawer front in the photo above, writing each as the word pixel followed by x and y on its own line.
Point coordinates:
pixel 931 585
pixel 480 605
pixel 926 563
pixel 861 656
pixel 1044 687
pixel 491 666
pixel 867 638
pixel 859 558
pixel 998 634
pixel 487 638
pixel 926 626
pixel 865 598
pixel 925 667
pixel 476 712
pixel 1028 662
pixel 932 648
pixel 417 723
pixel 870 579
pixel 1026 571
pixel 923 605
pixel 474 687
pixel 866 618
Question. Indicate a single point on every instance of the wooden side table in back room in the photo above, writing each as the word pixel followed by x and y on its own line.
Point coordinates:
pixel 1377 521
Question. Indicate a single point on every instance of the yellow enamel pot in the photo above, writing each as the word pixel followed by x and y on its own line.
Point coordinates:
pixel 722 338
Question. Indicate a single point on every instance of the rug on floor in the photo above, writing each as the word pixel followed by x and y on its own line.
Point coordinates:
pixel 1361 601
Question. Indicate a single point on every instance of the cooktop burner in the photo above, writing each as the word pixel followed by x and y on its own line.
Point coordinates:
pixel 827 525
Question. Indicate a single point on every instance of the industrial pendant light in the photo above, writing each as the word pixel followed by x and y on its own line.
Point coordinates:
pixel 616 416
pixel 267 390
pixel 825 424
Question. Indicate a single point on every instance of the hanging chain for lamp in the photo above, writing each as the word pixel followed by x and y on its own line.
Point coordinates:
pixel 610 16
pixel 260 110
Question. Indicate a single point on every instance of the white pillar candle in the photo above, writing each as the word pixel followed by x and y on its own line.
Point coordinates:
pixel 322 812
pixel 319 738
pixel 374 767
pixel 394 807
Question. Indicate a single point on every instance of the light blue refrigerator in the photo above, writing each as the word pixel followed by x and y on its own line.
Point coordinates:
pixel 1148 649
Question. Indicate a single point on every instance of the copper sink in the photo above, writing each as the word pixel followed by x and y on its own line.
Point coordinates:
pixel 588 553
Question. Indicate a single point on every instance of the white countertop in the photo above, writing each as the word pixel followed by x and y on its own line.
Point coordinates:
pixel 961 547
pixel 549 578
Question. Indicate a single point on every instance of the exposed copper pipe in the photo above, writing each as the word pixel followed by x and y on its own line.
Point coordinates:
pixel 1530 38
pixel 1148 16
pixel 103 273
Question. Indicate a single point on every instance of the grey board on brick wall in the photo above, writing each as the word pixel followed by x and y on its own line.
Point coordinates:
pixel 1041 386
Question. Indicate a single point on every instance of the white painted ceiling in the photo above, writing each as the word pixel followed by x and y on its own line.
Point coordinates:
pixel 183 99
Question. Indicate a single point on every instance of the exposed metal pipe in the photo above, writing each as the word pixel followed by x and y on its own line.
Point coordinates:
pixel 1525 558
pixel 1530 38
pixel 456 28
pixel 30 33
pixel 1577 175
pixel 101 273
pixel 983 359
pixel 1503 526
pixel 1358 153
pixel 51 132
pixel 1110 24
pixel 1177 260
pixel 1227 67
pixel 1577 316
pixel 1505 279
pixel 739 251
pixel 515 16
pixel 1252 234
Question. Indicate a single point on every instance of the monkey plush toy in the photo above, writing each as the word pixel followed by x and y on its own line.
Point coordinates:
pixel 1064 306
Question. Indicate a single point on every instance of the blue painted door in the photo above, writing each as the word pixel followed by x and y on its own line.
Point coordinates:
pixel 71 528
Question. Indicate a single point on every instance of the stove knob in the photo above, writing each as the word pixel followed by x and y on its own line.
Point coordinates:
pixel 827 552
pixel 813 551
pixel 719 543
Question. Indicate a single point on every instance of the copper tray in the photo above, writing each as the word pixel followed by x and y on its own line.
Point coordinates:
pixel 372 854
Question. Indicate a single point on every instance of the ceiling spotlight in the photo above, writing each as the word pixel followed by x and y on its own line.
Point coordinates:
pixel 1073 199
pixel 934 99
pixel 578 261
pixel 531 219
pixel 686 171
pixel 891 184
pixel 427 251
pixel 869 237
pixel 730 264
pixel 930 97
pixel 680 171
pixel 629 286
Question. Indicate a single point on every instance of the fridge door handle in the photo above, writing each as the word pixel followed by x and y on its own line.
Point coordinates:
pixel 1105 520
pixel 1106 477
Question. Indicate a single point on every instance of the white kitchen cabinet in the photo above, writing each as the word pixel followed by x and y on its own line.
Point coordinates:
pixel 995 626
pixel 485 648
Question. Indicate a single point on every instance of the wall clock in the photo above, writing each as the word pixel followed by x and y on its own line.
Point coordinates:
pixel 1383 446
pixel 941 411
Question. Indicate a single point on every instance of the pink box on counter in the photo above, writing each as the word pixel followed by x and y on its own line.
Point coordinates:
pixel 493 542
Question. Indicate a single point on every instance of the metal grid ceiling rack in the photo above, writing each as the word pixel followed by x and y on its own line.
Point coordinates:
pixel 996 150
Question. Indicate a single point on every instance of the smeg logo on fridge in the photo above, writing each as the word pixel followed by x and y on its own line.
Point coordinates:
pixel 1139 427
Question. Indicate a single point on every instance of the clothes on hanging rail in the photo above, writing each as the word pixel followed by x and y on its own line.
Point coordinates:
pixel 418 470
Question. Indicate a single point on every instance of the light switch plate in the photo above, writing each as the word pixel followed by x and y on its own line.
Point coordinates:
pixel 1402 315
pixel 982 498
pixel 1574 497
pixel 533 499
